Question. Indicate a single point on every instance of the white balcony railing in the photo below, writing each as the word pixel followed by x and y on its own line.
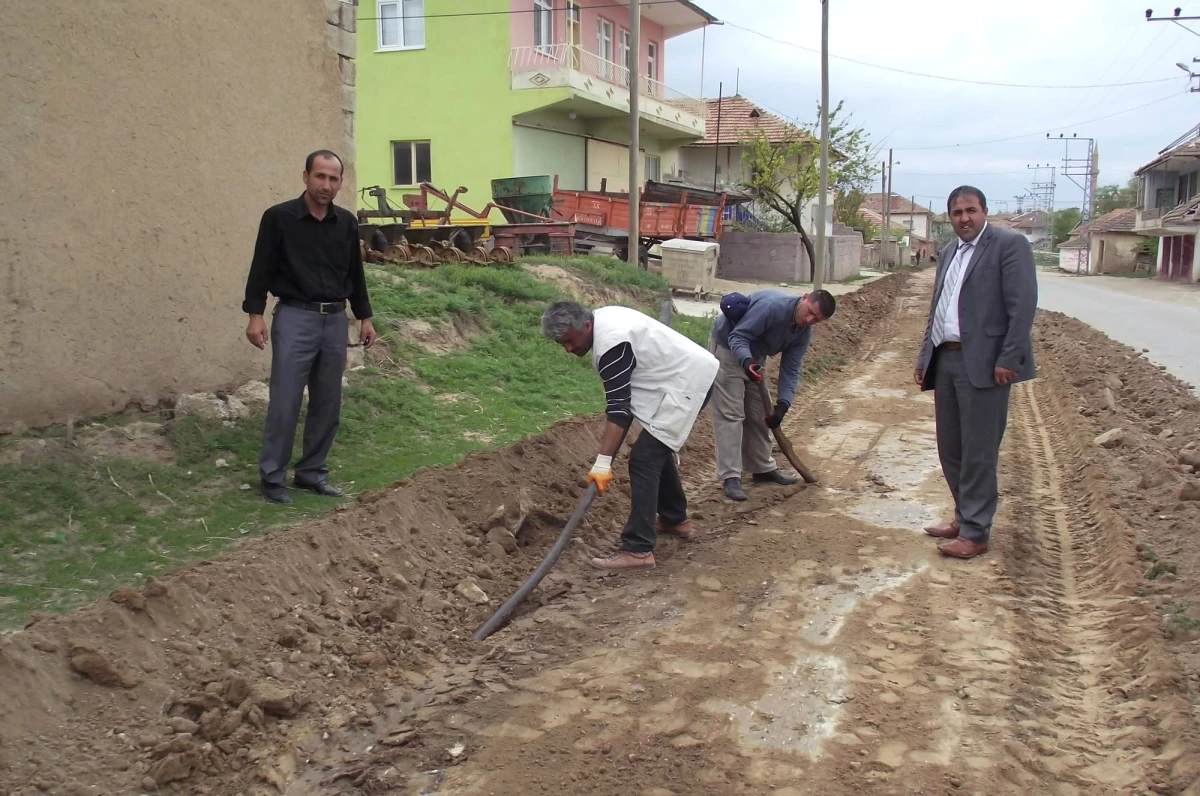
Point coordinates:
pixel 567 56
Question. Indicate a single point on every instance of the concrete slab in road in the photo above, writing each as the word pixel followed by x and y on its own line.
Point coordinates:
pixel 1141 313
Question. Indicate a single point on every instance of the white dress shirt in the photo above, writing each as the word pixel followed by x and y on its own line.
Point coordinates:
pixel 957 269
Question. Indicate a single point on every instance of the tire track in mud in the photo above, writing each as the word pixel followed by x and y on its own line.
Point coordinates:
pixel 1096 658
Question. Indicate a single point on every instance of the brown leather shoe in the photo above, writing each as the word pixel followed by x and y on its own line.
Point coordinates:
pixel 625 559
pixel 682 531
pixel 944 531
pixel 962 547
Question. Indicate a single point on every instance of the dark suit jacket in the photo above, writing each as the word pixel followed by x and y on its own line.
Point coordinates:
pixel 995 308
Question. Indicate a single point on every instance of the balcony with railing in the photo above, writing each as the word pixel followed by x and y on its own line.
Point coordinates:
pixel 604 82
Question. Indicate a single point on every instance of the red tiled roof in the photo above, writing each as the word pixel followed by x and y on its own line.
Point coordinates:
pixel 740 119
pixel 874 202
pixel 1120 220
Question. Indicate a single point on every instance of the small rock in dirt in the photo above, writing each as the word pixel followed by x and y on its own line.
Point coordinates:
pixel 220 464
pixel 1166 433
pixel 400 582
pixel 275 669
pixel 291 637
pixel 1112 382
pixel 485 572
pixel 371 660
pixel 1110 401
pixel 496 551
pixel 495 519
pixel 173 768
pixel 99 669
pixel 45 645
pixel 1112 438
pixel 390 610
pixel 130 598
pixel 709 583
pixel 237 691
pixel 1190 458
pixel 1190 491
pixel 277 701
pixel 254 394
pixel 153 587
pixel 469 591
pixel 502 537
pixel 181 725
pixel 202 405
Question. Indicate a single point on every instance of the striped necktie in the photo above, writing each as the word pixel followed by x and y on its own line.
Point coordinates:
pixel 953 274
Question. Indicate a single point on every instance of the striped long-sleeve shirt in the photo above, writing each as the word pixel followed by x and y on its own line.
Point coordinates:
pixel 616 370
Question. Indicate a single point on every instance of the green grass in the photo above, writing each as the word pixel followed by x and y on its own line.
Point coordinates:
pixel 1131 274
pixel 73 528
pixel 1177 614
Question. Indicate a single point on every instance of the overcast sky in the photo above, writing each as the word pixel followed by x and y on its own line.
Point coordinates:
pixel 1038 42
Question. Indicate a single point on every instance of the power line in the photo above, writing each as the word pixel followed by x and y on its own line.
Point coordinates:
pixel 942 77
pixel 1185 27
pixel 510 12
pixel 1044 129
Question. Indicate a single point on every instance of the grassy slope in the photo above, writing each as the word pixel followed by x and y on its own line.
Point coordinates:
pixel 76 527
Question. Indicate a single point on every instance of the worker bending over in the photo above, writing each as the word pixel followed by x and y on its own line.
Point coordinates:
pixel 662 379
pixel 748 330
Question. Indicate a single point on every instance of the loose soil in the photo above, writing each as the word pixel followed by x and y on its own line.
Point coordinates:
pixel 808 641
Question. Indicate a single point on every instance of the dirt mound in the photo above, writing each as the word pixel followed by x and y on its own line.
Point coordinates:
pixel 456 334
pixel 224 676
pixel 1145 431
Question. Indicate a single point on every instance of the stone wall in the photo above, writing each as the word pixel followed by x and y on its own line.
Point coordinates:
pixel 140 143
pixel 781 257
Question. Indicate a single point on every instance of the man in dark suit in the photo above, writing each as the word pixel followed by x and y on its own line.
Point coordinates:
pixel 977 344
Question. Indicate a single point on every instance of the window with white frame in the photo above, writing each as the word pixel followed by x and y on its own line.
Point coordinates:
pixel 652 68
pixel 401 24
pixel 543 24
pixel 411 163
pixel 653 167
pixel 604 44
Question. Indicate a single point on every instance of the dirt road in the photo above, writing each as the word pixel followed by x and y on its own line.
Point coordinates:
pixel 822 647
pixel 809 641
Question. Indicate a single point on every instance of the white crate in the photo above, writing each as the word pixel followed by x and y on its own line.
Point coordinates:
pixel 690 264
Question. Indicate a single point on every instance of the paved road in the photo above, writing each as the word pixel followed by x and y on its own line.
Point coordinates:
pixel 1131 314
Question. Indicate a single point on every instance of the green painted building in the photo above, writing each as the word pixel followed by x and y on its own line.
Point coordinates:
pixel 461 92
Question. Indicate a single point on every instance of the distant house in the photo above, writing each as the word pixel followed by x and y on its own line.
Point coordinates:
pixel 916 219
pixel 1169 207
pixel 718 157
pixel 1036 225
pixel 1113 244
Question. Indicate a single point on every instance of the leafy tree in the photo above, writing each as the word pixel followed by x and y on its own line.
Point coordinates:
pixel 785 175
pixel 1114 197
pixel 1064 221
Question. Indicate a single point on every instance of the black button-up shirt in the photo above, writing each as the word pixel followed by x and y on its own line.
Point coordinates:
pixel 298 257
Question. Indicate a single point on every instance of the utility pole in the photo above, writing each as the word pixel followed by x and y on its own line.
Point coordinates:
pixel 887 213
pixel 823 199
pixel 1176 18
pixel 1043 197
pixel 1086 167
pixel 635 144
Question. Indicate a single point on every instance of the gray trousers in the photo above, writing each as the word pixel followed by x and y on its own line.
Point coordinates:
pixel 307 349
pixel 742 438
pixel 970 428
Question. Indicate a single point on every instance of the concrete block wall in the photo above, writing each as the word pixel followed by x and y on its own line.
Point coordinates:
pixel 781 257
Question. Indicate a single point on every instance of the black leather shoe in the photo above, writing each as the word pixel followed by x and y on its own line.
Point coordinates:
pixel 733 489
pixel 323 488
pixel 276 494
pixel 775 477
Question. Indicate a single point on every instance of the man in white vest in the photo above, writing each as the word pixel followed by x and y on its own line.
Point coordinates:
pixel 655 375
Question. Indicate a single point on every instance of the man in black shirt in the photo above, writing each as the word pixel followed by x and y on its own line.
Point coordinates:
pixel 308 257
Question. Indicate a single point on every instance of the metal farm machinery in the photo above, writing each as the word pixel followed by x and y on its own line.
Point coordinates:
pixel 423 235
